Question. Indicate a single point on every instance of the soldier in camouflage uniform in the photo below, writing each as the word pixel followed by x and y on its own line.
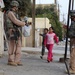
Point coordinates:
pixel 14 37
pixel 72 42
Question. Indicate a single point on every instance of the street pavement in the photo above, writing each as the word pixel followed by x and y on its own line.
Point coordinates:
pixel 57 49
pixel 33 65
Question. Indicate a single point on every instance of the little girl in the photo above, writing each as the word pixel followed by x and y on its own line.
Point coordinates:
pixel 49 42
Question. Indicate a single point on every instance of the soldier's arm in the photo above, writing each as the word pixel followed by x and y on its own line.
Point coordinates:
pixel 15 20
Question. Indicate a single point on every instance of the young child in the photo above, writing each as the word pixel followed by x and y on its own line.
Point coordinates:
pixel 49 42
pixel 43 47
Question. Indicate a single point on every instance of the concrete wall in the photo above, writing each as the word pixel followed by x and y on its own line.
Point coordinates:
pixel 1 34
pixel 41 22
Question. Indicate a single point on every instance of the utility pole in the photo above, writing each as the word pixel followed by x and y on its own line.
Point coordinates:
pixel 58 11
pixel 33 22
pixel 57 8
pixel 55 1
pixel 72 4
pixel 63 18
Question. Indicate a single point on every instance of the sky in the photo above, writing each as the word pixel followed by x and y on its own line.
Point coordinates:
pixel 63 7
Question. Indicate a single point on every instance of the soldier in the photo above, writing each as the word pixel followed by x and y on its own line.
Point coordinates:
pixel 72 38
pixel 13 25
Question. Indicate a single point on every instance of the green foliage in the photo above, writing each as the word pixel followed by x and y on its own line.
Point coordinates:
pixel 50 13
pixel 7 4
pixel 24 6
pixel 39 10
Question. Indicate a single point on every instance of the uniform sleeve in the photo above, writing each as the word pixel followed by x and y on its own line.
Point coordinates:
pixel 56 39
pixel 15 20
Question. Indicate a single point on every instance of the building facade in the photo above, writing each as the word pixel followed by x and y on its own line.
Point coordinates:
pixel 40 24
pixel 1 33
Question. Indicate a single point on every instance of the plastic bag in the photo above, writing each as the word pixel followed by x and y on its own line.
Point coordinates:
pixel 26 30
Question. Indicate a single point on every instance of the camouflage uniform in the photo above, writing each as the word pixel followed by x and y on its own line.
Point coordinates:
pixel 14 52
pixel 72 42
pixel 72 55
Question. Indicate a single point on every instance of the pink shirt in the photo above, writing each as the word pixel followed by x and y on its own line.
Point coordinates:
pixel 50 38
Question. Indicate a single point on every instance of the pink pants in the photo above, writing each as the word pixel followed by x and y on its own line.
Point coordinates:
pixel 14 52
pixel 50 55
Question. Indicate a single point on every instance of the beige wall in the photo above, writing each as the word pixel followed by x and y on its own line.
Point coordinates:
pixel 41 22
pixel 1 34
pixel 42 5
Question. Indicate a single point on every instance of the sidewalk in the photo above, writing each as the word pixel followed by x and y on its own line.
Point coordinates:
pixel 58 49
pixel 33 65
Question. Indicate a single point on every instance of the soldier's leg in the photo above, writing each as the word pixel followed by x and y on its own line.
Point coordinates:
pixel 72 55
pixel 18 51
pixel 11 51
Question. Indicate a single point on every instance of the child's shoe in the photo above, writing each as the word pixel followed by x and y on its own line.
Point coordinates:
pixel 41 57
pixel 48 61
pixel 51 60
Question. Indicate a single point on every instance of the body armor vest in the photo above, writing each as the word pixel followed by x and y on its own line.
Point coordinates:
pixel 9 23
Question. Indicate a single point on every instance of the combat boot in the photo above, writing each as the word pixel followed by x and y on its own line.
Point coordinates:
pixel 12 63
pixel 71 71
pixel 19 64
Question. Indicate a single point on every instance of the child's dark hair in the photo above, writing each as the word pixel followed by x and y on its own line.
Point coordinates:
pixel 45 29
pixel 52 28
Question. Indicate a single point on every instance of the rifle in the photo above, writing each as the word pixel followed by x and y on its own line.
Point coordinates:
pixel 16 33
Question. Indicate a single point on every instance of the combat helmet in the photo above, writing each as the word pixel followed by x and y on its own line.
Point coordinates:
pixel 14 3
pixel 72 13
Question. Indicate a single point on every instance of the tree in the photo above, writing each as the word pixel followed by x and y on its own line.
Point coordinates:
pixel 7 3
pixel 50 13
pixel 24 6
